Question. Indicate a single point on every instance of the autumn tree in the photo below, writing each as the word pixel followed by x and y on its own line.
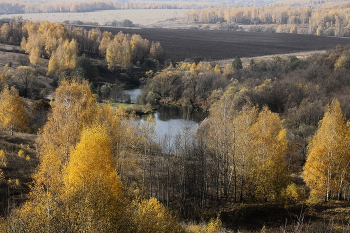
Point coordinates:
pixel 3 81
pixel 74 109
pixel 242 158
pixel 119 51
pixel 4 32
pixel 156 51
pixel 64 56
pixel 269 146
pixel 151 216
pixel 92 189
pixel 25 77
pixel 328 159
pixel 107 37
pixel 3 159
pixel 13 114
pixel 43 39
pixel 221 139
pixel 140 48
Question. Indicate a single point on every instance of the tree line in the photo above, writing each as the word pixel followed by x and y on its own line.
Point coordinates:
pixel 69 50
pixel 328 19
pixel 62 43
pixel 20 7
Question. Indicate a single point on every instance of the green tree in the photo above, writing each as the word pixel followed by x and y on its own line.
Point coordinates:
pixel 237 63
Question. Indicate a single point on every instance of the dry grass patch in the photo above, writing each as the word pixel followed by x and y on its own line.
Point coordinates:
pixel 21 161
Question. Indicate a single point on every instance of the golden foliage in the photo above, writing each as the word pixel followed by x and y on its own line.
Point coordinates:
pixel 3 81
pixel 73 109
pixel 64 56
pixel 13 115
pixel 2 177
pixel 293 194
pixel 3 158
pixel 326 167
pixel 269 146
pixel 92 189
pixel 248 148
pixel 22 153
pixel 214 225
pixel 150 216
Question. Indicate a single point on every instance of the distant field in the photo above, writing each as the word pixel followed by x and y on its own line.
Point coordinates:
pixel 180 44
pixel 146 17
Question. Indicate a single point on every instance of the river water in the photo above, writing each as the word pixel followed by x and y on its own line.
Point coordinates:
pixel 173 124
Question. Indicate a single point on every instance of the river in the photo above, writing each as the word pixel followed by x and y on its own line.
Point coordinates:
pixel 173 124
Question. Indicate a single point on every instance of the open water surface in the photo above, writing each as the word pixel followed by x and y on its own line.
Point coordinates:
pixel 173 124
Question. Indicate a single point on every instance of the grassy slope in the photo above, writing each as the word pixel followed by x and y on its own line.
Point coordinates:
pixel 18 170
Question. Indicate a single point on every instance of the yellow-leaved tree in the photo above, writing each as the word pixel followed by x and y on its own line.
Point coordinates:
pixel 65 55
pixel 328 159
pixel 73 110
pixel 269 147
pixel 13 114
pixel 93 192
pixel 150 216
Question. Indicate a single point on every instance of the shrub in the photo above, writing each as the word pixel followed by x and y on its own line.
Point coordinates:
pixel 214 225
pixel 293 194
pixel 3 158
pixel 22 153
pixel 151 216
pixel 2 177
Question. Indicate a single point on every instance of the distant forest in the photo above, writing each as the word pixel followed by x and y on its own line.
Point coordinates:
pixel 47 6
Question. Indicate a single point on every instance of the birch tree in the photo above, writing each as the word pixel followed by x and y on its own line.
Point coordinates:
pixel 13 114
pixel 328 159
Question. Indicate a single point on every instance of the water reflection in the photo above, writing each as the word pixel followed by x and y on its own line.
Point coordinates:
pixel 134 95
pixel 166 113
pixel 173 125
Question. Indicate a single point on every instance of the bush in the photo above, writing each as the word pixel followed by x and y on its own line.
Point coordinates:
pixel 2 177
pixel 151 216
pixel 3 158
pixel 293 194
pixel 214 225
pixel 22 153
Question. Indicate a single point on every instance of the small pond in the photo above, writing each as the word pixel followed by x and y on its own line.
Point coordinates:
pixel 173 123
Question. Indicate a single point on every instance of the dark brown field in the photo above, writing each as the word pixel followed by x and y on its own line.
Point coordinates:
pixel 180 44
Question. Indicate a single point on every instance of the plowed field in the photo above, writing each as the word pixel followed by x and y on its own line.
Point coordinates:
pixel 180 44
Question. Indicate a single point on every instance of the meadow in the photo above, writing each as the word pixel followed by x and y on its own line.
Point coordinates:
pixel 145 17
